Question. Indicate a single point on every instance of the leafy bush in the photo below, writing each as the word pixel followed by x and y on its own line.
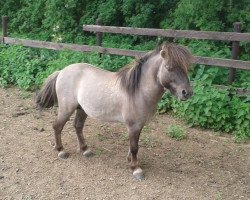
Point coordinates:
pixel 19 66
pixel 165 104
pixel 241 112
pixel 211 15
pixel 206 108
pixel 176 132
pixel 44 16
pixel 220 110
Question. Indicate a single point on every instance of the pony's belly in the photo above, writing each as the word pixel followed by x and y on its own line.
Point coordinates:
pixel 104 115
pixel 101 99
pixel 108 111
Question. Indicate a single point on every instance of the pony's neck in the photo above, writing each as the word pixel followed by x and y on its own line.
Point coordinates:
pixel 151 89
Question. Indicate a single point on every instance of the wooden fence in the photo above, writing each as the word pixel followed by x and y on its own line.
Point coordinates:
pixel 235 37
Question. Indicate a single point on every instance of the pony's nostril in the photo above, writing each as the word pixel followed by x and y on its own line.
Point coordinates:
pixel 184 92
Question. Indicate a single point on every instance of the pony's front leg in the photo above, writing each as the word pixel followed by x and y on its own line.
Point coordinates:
pixel 134 134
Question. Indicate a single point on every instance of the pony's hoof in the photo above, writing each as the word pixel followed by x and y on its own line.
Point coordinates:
pixel 88 153
pixel 138 174
pixel 63 155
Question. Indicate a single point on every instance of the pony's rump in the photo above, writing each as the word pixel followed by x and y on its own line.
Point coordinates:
pixel 46 97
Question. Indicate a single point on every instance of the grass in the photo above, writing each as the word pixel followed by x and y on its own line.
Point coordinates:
pixel 102 137
pixel 176 132
pixel 124 136
pixel 149 141
pixel 98 151
pixel 146 129
pixel 25 95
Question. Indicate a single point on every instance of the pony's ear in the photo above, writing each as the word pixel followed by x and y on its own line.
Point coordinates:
pixel 163 54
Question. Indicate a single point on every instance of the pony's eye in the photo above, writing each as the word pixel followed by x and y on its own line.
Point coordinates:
pixel 169 68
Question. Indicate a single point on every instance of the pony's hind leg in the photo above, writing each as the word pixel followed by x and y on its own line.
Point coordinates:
pixel 62 117
pixel 78 124
pixel 134 134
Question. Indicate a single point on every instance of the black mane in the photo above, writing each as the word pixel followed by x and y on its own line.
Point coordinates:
pixel 130 75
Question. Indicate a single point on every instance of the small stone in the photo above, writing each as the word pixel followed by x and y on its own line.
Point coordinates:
pixel 134 188
pixel 42 129
pixel 1 177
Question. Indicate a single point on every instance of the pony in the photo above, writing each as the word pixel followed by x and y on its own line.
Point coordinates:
pixel 128 96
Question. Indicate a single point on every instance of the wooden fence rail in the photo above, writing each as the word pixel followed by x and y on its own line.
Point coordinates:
pixel 133 53
pixel 209 35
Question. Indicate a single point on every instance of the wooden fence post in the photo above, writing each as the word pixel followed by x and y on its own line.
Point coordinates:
pixel 99 35
pixel 4 27
pixel 235 53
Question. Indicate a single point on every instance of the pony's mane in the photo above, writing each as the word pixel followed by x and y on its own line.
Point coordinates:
pixel 130 75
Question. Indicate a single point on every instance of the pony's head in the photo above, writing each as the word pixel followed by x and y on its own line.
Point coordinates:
pixel 172 74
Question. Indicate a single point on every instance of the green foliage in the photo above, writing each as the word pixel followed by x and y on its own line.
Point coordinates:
pixel 220 110
pixel 10 8
pixel 241 113
pixel 198 14
pixel 211 15
pixel 176 132
pixel 242 79
pixel 18 66
pixel 165 103
pixel 207 107
pixel 110 11
pixel 29 16
pixel 45 16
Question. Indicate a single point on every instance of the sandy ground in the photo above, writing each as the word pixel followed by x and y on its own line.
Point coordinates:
pixel 203 166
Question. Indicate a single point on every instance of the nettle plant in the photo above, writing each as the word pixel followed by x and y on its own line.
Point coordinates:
pixel 217 109
pixel 209 108
pixel 241 113
pixel 176 132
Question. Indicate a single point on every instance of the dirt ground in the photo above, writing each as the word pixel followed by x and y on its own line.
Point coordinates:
pixel 203 166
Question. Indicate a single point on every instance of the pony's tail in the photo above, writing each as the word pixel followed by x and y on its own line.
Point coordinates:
pixel 46 97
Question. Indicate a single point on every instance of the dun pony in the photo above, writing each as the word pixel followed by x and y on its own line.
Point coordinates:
pixel 128 96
